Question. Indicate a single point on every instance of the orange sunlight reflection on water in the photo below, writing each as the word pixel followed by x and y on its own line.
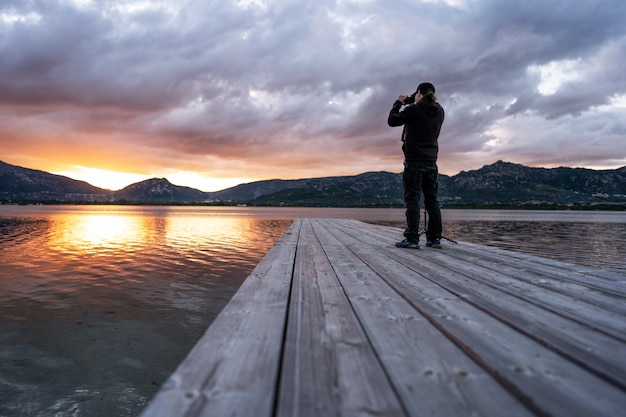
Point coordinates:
pixel 149 251
pixel 90 232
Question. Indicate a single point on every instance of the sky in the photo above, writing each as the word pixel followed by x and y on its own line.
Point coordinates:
pixel 213 93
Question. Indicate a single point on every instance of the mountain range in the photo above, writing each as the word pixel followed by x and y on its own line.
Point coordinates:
pixel 502 184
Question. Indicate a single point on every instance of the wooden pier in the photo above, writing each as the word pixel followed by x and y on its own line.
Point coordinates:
pixel 336 321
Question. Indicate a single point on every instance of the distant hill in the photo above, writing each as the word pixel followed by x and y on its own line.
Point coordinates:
pixel 159 190
pixel 501 184
pixel 514 184
pixel 23 184
pixel 371 189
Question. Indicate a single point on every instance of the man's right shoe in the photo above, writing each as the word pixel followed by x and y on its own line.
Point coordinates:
pixel 408 245
pixel 435 244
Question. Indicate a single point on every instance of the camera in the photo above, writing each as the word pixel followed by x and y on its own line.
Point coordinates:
pixel 410 99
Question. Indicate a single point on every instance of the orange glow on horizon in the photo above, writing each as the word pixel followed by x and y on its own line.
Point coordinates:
pixel 110 180
pixel 116 180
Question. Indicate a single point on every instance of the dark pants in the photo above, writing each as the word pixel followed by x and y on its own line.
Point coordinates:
pixel 416 179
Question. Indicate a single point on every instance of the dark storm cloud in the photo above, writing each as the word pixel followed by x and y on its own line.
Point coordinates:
pixel 241 79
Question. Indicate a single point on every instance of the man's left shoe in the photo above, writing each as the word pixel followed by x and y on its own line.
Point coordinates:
pixel 435 244
pixel 406 244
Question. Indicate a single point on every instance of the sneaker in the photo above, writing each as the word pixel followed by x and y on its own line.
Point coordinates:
pixel 435 244
pixel 406 244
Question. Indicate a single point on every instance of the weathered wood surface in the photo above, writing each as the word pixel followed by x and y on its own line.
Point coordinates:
pixel 336 321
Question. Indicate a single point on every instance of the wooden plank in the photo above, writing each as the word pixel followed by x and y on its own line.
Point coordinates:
pixel 576 301
pixel 545 381
pixel 605 280
pixel 578 340
pixel 430 373
pixel 606 299
pixel 233 369
pixel 329 367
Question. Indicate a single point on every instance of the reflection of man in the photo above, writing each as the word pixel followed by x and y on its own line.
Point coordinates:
pixel 422 122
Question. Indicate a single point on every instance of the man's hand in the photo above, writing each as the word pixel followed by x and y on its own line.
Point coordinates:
pixel 401 99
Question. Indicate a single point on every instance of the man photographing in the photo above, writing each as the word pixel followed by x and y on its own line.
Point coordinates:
pixel 422 119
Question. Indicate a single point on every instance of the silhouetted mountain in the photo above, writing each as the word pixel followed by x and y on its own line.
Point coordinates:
pixel 17 183
pixel 364 190
pixel 159 190
pixel 253 190
pixel 501 184
pixel 507 183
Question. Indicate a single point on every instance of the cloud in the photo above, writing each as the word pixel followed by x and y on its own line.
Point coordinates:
pixel 284 88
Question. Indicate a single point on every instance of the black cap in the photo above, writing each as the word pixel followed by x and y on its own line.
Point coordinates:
pixel 426 88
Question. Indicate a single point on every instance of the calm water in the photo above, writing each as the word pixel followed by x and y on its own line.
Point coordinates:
pixel 100 304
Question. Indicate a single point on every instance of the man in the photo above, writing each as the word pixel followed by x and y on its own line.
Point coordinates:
pixel 422 119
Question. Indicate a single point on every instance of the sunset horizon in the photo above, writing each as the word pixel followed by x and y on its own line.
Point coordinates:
pixel 121 178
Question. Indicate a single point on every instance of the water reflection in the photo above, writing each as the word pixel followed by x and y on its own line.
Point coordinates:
pixel 100 306
pixel 92 233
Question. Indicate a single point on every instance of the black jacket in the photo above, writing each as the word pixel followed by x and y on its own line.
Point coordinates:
pixel 422 123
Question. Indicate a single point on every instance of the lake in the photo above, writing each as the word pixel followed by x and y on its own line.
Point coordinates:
pixel 101 303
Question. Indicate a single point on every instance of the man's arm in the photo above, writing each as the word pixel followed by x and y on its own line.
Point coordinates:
pixel 396 118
